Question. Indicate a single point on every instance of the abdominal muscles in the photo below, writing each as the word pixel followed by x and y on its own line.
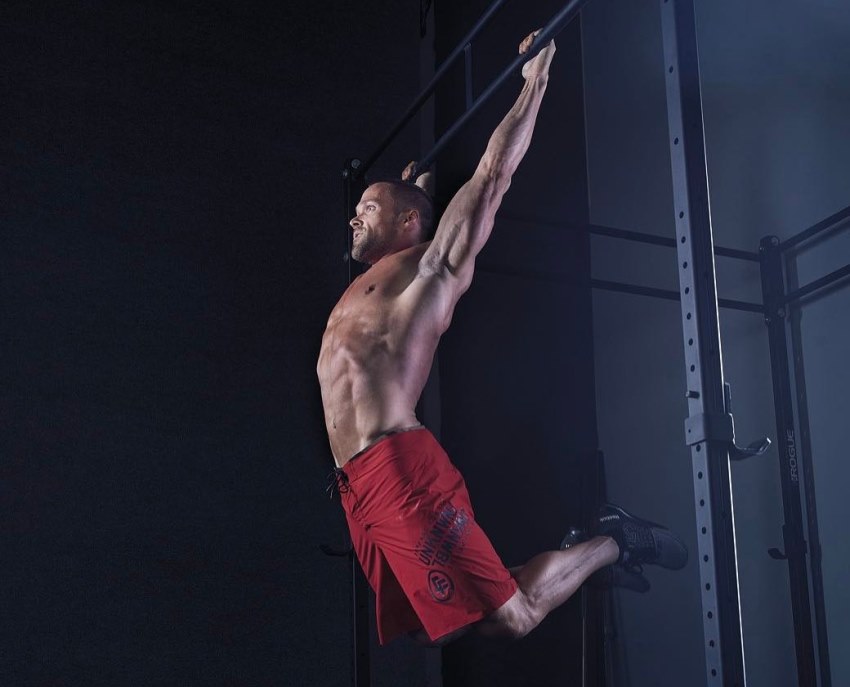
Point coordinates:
pixel 371 379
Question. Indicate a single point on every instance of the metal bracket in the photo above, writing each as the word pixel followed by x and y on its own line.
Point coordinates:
pixel 756 448
pixel 721 427
pixel 709 427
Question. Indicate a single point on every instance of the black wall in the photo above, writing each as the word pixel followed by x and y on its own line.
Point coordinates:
pixel 171 246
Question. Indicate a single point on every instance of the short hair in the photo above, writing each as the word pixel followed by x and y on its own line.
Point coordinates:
pixel 406 195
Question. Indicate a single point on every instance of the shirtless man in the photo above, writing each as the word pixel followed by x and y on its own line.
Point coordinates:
pixel 433 569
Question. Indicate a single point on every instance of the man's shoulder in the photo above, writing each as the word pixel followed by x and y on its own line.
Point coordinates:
pixel 406 262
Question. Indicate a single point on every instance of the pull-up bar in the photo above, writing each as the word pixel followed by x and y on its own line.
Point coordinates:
pixel 557 24
pixel 432 85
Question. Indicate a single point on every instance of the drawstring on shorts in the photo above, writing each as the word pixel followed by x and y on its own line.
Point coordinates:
pixel 337 482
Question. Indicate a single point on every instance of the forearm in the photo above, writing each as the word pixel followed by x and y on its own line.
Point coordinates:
pixel 509 142
pixel 468 220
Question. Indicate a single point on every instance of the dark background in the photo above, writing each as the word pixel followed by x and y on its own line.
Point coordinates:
pixel 171 240
pixel 172 230
pixel 171 247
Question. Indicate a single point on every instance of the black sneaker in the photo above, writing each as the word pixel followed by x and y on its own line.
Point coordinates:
pixel 641 541
pixel 620 576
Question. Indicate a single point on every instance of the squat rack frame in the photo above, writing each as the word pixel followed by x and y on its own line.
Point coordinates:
pixel 709 428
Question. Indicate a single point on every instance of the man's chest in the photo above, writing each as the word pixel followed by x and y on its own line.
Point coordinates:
pixel 375 296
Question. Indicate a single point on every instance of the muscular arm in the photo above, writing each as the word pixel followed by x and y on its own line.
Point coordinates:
pixel 468 219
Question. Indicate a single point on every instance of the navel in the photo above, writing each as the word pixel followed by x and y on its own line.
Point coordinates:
pixel 370 289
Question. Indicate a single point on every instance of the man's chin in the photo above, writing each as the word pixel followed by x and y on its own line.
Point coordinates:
pixel 360 257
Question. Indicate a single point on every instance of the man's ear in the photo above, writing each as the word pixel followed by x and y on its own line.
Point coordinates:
pixel 411 216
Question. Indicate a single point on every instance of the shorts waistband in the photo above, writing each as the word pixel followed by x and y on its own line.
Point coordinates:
pixel 388 444
pixel 383 437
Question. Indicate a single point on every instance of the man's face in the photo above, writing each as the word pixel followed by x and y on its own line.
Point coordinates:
pixel 374 225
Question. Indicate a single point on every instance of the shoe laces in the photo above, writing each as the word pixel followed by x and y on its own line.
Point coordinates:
pixel 638 537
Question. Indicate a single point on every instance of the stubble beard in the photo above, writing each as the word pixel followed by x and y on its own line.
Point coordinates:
pixel 367 249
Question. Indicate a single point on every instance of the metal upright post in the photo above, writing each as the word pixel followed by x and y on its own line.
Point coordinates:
pixel 360 631
pixel 709 426
pixel 773 290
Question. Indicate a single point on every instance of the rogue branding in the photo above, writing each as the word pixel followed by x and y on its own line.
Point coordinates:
pixel 791 448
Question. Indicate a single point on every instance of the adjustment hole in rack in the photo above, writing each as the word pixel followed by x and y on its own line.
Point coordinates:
pixel 670 69
pixel 693 367
pixel 710 615
pixel 687 289
pixel 676 141
pixel 681 214
pixel 711 643
pixel 699 475
pixel 688 315
pixel 702 502
pixel 707 586
pixel 690 342
pixel 685 265
pixel 683 239
pixel 699 448
pixel 705 558
pixel 713 672
pixel 704 530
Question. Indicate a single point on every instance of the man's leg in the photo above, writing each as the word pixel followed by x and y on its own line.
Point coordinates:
pixel 545 582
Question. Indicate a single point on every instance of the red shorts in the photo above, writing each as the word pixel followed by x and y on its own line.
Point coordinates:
pixel 430 564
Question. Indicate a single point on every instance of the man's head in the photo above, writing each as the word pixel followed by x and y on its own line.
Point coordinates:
pixel 391 216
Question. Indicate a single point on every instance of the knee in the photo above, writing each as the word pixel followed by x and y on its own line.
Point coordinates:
pixel 519 626
pixel 516 618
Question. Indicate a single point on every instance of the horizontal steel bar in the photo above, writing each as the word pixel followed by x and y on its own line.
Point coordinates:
pixel 552 29
pixel 736 253
pixel 670 295
pixel 641 237
pixel 634 289
pixel 817 284
pixel 432 85
pixel 522 273
pixel 606 285
pixel 815 229
pixel 629 235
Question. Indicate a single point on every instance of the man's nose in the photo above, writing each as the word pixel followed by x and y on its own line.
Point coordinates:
pixel 355 222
